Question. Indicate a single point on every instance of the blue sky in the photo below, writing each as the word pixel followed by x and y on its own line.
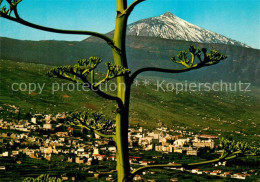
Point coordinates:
pixel 236 19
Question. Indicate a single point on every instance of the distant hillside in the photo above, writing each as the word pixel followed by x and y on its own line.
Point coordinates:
pixel 49 52
pixel 242 63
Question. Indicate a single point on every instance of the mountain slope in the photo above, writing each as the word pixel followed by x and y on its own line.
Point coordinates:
pixel 223 113
pixel 169 26
pixel 242 63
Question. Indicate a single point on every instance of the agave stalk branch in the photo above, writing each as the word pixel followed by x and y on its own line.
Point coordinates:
pixel 95 131
pixel 131 7
pixel 211 58
pixel 18 19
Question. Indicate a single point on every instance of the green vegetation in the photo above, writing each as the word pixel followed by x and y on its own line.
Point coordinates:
pixel 33 168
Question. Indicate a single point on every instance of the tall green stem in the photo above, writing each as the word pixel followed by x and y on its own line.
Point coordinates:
pixel 123 166
pixel 92 75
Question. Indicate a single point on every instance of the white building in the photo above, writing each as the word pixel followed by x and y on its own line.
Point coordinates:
pixel 181 142
pixel 47 126
pixel 34 120
pixel 96 151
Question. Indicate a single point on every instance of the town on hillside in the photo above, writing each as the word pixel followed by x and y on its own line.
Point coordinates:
pixel 46 137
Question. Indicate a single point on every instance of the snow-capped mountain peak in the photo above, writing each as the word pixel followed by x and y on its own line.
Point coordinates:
pixel 169 26
pixel 169 14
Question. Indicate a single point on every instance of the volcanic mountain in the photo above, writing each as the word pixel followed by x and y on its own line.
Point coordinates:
pixel 169 26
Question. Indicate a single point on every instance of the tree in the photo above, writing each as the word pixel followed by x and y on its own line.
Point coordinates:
pixel 84 72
